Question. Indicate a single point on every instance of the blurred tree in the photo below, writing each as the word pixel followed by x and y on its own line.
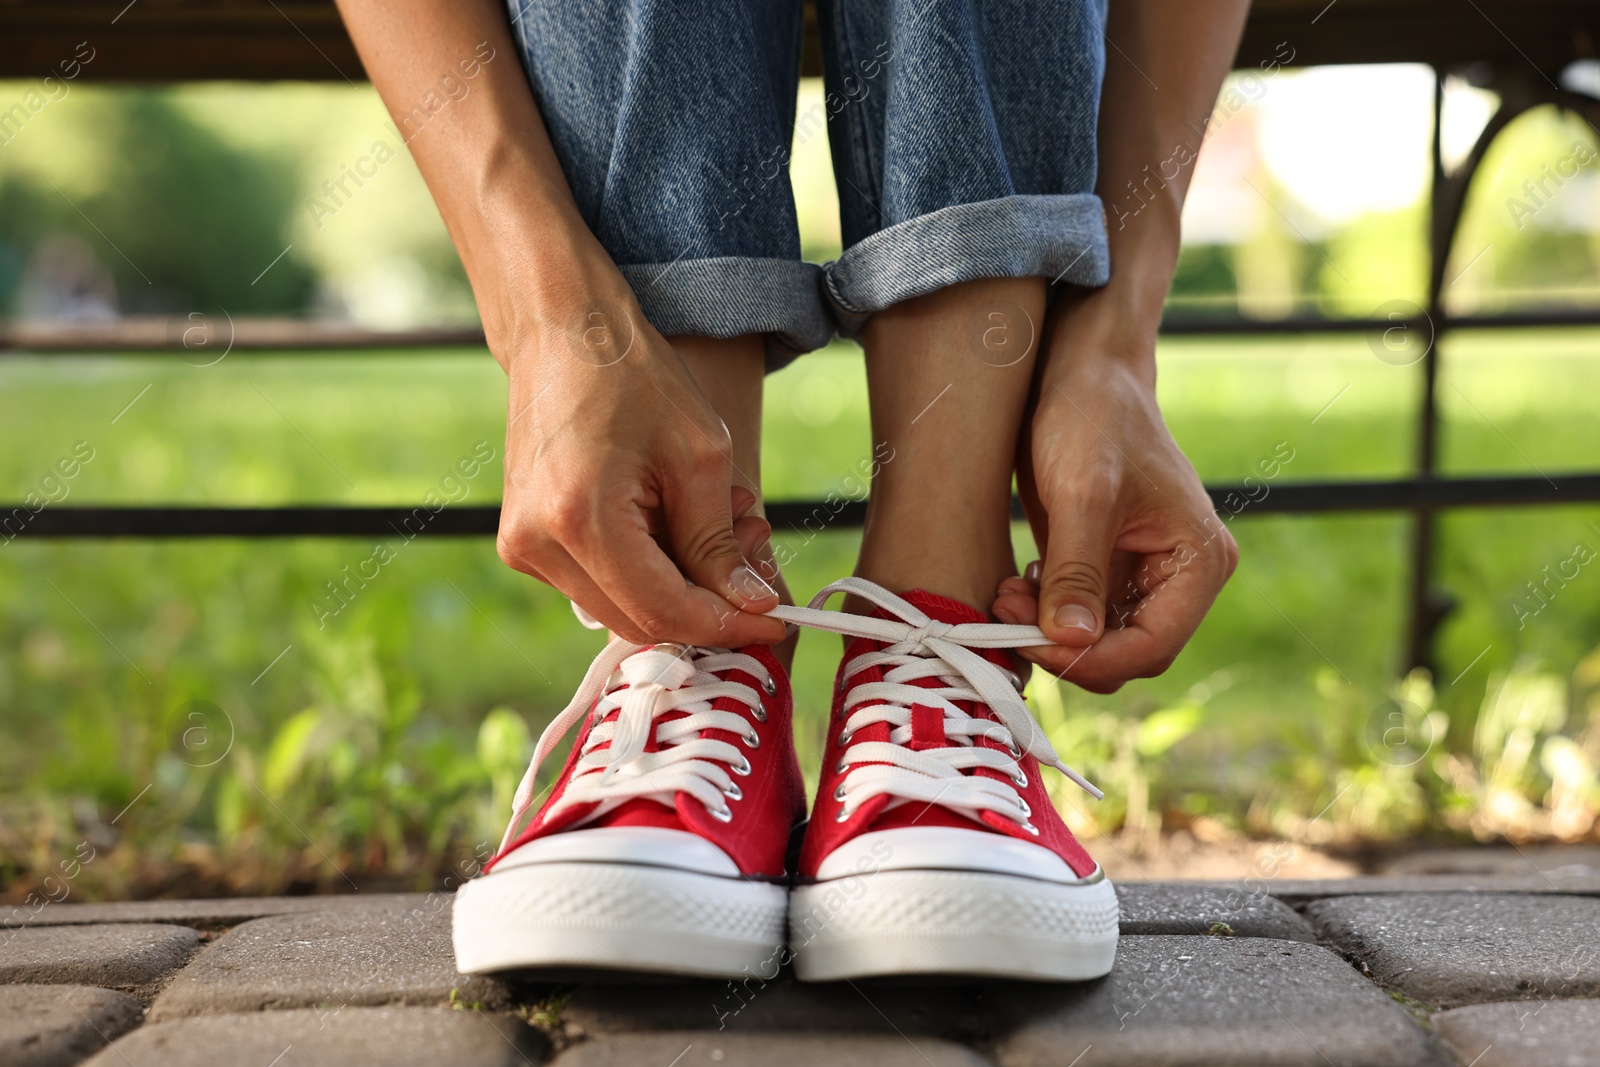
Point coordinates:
pixel 179 218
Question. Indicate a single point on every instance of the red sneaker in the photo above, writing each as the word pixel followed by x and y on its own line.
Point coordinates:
pixel 933 847
pixel 662 845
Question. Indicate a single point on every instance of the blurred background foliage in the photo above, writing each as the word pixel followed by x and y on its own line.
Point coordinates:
pixel 184 715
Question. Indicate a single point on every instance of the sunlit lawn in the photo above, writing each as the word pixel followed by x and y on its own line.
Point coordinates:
pixel 104 646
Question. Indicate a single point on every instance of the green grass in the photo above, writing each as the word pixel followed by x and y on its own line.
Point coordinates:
pixel 109 649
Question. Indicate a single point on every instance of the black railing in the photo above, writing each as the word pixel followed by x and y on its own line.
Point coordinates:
pixel 1401 494
pixel 1441 33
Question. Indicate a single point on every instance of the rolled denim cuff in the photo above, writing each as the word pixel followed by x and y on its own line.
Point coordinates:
pixel 730 296
pixel 1062 238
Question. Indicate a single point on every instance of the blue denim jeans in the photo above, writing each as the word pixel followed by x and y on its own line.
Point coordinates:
pixel 962 133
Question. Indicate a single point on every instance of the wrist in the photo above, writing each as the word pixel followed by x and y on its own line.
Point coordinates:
pixel 1119 322
pixel 538 275
pixel 1113 327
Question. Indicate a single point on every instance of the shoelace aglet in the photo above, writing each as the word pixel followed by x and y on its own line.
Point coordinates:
pixel 1087 786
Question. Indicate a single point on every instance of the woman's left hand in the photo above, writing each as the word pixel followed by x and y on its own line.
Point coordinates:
pixel 1133 554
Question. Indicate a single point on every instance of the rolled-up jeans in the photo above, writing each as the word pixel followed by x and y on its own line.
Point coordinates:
pixel 962 134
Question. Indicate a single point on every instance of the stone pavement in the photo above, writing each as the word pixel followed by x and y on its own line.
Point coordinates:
pixel 1465 964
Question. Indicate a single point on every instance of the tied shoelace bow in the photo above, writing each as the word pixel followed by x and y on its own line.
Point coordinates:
pixel 919 648
pixel 615 766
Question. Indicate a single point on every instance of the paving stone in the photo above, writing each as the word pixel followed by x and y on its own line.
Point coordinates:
pixel 1550 1033
pixel 127 956
pixel 1569 881
pixel 1450 949
pixel 347 1037
pixel 57 1025
pixel 200 914
pixel 1578 860
pixel 709 1048
pixel 1170 1000
pixel 1178 1001
pixel 1176 908
pixel 376 955
pixel 950 1009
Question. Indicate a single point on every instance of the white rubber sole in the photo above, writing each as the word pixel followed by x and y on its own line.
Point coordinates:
pixel 618 917
pixel 952 922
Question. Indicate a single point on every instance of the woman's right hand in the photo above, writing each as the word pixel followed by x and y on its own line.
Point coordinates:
pixel 620 489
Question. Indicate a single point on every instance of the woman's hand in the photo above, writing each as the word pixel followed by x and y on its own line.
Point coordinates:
pixel 619 487
pixel 1133 555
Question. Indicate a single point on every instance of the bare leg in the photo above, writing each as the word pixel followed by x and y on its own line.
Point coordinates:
pixel 949 375
pixel 730 373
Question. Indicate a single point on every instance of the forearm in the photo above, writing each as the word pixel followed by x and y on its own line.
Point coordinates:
pixel 483 149
pixel 1165 63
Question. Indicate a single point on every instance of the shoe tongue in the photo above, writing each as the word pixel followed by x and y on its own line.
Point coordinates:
pixel 941 608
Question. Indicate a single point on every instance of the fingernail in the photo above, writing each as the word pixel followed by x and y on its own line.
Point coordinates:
pixel 749 585
pixel 747 509
pixel 1005 616
pixel 1033 572
pixel 1075 617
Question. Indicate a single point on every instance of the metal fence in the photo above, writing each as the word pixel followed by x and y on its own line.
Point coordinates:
pixel 181 41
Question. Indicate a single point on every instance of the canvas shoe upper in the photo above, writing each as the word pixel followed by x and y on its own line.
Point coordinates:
pixel 933 844
pixel 662 844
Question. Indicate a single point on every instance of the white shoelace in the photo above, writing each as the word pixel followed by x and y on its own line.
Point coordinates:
pixel 660 680
pixel 920 647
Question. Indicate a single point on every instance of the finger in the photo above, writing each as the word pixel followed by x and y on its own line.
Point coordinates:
pixel 754 536
pixel 1154 630
pixel 1017 602
pixel 560 571
pixel 1075 580
pixel 633 570
pixel 699 527
pixel 743 501
pixel 1028 487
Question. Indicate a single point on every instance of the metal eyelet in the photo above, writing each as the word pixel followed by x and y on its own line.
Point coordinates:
pixel 769 686
pixel 1016 679
pixel 759 712
pixel 838 793
pixel 1020 781
pixel 844 738
pixel 844 813
pixel 1032 829
pixel 733 792
pixel 722 814
pixel 841 768
pixel 1015 749
pixel 742 768
pixel 752 740
pixel 840 686
pixel 1023 804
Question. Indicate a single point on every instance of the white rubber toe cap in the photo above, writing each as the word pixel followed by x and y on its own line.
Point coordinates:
pixel 643 846
pixel 949 849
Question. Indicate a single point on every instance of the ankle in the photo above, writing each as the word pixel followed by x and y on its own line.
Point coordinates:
pixel 970 578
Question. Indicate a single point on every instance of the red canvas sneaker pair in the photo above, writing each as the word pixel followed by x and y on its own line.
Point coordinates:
pixel 932 846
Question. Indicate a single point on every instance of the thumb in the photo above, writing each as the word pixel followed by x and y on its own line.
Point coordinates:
pixel 1075 579
pixel 699 523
